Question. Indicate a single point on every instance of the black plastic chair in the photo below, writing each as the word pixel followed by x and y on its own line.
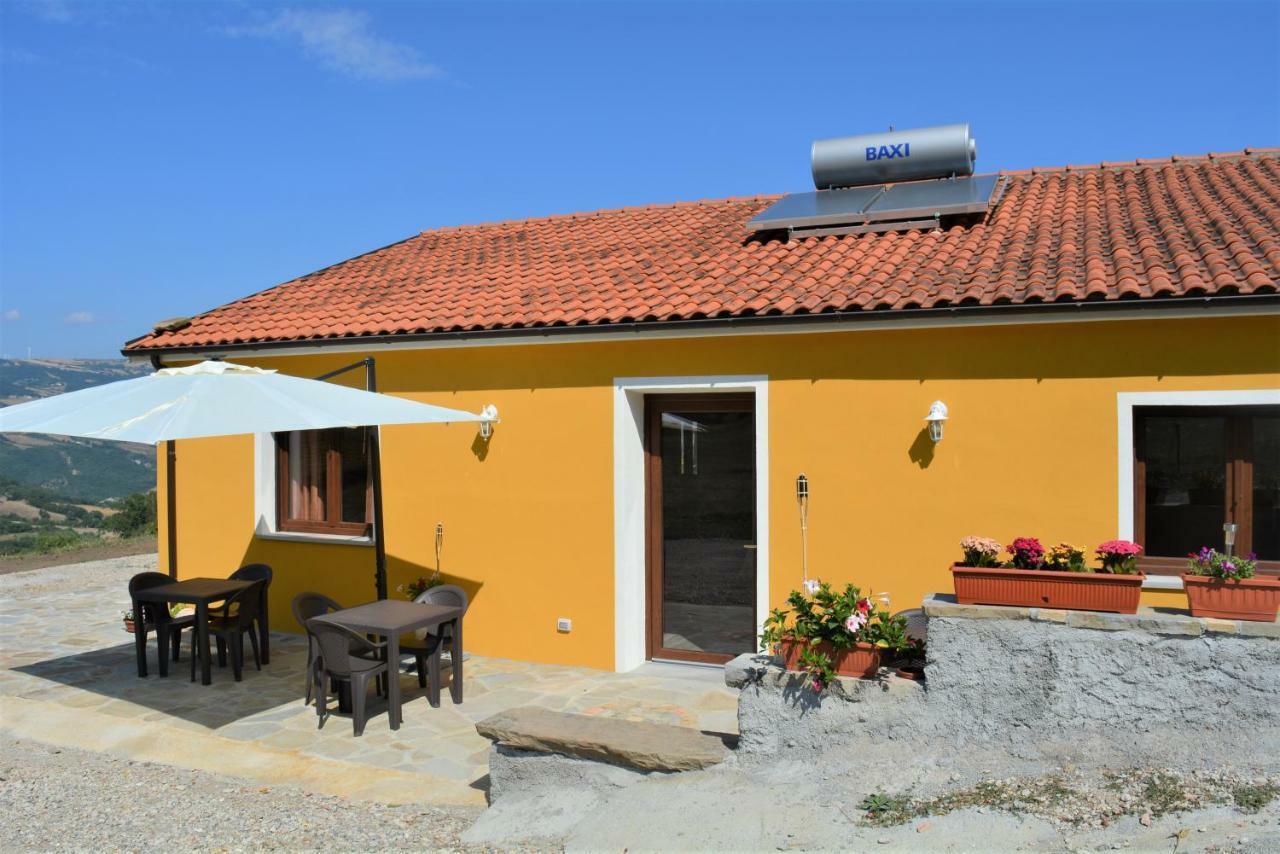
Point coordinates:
pixel 256 572
pixel 235 618
pixel 155 615
pixel 305 606
pixel 336 663
pixel 426 651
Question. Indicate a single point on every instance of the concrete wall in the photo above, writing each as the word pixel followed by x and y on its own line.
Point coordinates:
pixel 1031 449
pixel 1041 686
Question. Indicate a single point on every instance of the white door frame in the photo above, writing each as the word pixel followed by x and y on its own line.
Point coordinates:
pixel 629 571
pixel 1125 403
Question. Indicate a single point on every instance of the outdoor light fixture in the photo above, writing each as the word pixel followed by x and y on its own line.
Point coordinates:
pixel 937 415
pixel 490 414
pixel 1229 536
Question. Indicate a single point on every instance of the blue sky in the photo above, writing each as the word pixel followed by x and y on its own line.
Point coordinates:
pixel 158 159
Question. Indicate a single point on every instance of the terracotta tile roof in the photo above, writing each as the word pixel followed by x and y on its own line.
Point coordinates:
pixel 1184 226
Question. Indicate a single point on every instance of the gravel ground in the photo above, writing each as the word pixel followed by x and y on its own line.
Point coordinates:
pixel 71 800
pixel 1073 799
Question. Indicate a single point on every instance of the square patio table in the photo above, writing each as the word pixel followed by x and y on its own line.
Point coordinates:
pixel 200 592
pixel 390 618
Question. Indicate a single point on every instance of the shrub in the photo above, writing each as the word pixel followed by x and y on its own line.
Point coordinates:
pixel 45 542
pixel 136 516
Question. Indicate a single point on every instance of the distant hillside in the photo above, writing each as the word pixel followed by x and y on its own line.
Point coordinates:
pixel 78 468
pixel 24 379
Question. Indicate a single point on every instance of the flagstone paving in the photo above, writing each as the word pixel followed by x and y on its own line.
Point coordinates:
pixel 63 645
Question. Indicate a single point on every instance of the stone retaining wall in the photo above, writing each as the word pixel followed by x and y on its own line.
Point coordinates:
pixel 1036 684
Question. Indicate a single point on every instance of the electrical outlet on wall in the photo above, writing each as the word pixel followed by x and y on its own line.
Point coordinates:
pixel 564 624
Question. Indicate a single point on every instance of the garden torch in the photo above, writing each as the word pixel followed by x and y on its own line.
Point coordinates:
pixel 802 496
pixel 439 545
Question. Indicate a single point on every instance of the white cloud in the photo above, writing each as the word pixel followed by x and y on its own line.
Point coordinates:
pixel 79 318
pixel 18 56
pixel 12 314
pixel 57 11
pixel 343 40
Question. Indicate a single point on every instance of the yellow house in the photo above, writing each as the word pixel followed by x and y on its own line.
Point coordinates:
pixel 1105 341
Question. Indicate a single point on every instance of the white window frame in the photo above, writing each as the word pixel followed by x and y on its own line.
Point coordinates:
pixel 265 501
pixel 1125 403
pixel 630 601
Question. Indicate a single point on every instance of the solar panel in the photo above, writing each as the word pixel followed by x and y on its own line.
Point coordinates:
pixel 916 204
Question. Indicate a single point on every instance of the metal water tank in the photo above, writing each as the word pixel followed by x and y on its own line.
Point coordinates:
pixel 902 155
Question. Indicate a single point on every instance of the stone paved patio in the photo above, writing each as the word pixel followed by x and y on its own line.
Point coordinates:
pixel 67 675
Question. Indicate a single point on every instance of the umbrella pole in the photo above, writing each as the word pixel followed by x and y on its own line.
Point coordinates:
pixel 379 544
pixel 375 472
pixel 375 466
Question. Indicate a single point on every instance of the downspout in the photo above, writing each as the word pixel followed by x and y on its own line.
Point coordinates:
pixel 170 490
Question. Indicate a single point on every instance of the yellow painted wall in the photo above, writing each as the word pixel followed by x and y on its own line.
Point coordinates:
pixel 1030 450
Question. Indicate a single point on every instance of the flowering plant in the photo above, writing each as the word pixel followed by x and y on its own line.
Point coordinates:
pixel 414 589
pixel 1119 556
pixel 1214 563
pixel 980 551
pixel 1065 557
pixel 838 618
pixel 1027 553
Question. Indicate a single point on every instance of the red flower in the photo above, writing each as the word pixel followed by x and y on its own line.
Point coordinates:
pixel 864 605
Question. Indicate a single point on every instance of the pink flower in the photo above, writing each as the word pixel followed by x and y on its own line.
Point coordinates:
pixel 980 545
pixel 855 622
pixel 1027 552
pixel 1119 548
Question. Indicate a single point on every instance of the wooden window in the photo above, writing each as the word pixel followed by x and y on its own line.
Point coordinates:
pixel 1197 468
pixel 323 482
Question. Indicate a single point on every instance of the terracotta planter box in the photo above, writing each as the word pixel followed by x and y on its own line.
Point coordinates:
pixel 1042 588
pixel 128 626
pixel 1255 598
pixel 861 660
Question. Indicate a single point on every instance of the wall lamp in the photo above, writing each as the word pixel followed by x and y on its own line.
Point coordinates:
pixel 490 416
pixel 935 419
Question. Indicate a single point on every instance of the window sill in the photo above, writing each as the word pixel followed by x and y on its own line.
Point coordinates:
pixel 298 537
pixel 1162 582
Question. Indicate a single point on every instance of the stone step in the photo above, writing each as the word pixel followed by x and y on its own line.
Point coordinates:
pixel 632 744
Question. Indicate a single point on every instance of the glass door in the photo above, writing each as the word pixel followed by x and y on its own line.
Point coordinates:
pixel 701 505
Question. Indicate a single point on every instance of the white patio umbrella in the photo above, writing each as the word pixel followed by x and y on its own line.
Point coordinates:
pixel 214 399
pixel 220 399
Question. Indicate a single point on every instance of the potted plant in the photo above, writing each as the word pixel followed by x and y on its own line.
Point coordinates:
pixel 832 633
pixel 1056 578
pixel 910 660
pixel 128 620
pixel 1221 585
pixel 416 588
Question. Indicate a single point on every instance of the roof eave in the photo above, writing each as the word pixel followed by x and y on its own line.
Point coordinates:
pixel 976 314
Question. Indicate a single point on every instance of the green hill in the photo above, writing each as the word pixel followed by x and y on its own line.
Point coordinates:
pixel 81 468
